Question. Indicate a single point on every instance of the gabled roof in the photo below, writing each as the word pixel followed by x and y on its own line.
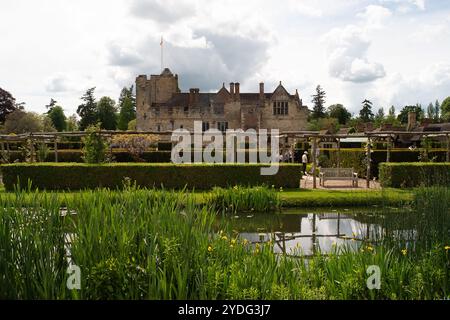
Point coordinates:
pixel 280 90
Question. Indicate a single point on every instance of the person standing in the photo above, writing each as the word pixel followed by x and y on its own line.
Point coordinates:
pixel 304 161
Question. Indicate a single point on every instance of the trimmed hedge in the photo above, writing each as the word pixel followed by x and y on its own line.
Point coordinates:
pixel 74 176
pixel 414 174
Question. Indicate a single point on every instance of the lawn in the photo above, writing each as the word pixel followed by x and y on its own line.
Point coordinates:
pixel 292 198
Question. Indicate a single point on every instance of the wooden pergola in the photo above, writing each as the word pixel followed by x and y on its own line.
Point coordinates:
pixel 314 136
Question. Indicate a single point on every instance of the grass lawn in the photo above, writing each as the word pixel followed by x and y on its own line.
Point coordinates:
pixel 291 198
pixel 339 198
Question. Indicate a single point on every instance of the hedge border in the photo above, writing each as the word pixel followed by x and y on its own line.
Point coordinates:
pixel 77 176
pixel 414 174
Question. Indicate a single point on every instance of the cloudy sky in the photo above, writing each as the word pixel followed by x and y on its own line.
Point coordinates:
pixel 393 52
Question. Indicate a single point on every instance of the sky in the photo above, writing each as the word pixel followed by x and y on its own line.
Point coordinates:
pixel 392 52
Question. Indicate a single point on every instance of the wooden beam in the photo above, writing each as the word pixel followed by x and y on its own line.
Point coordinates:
pixel 56 149
pixel 369 160
pixel 388 151
pixel 448 148
pixel 314 148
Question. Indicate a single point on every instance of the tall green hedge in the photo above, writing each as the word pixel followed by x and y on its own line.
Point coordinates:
pixel 414 174
pixel 75 176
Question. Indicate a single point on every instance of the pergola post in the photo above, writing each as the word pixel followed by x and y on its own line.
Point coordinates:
pixel 388 151
pixel 56 149
pixel 314 148
pixel 369 160
pixel 448 148
pixel 32 148
pixel 338 153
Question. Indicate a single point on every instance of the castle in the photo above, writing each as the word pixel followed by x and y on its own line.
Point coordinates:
pixel 161 106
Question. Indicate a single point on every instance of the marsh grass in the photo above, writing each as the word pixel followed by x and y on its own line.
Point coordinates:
pixel 240 199
pixel 159 244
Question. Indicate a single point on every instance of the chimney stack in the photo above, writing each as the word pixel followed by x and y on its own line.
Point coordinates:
pixel 191 96
pixel 232 88
pixel 237 93
pixel 261 91
pixel 412 120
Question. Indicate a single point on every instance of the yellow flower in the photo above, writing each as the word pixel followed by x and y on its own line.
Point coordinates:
pixel 273 186
pixel 245 242
pixel 233 241
pixel 447 248
pixel 281 189
pixel 210 248
pixel 235 187
pixel 224 238
pixel 369 248
pixel 404 252
pixel 231 245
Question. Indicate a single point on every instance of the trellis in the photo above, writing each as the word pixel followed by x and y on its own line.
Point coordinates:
pixel 313 136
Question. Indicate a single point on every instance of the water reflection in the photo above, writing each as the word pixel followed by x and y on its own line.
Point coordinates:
pixel 305 234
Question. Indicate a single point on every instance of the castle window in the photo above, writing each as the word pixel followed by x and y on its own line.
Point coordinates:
pixel 218 109
pixel 172 125
pixel 158 127
pixel 186 109
pixel 205 126
pixel 157 111
pixel 280 108
pixel 222 126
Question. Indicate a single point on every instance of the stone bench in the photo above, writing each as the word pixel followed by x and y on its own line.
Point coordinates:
pixel 338 174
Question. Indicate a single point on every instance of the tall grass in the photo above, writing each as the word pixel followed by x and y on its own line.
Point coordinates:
pixel 149 244
pixel 238 199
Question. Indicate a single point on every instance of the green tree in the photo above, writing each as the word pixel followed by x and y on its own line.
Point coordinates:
pixel 72 123
pixel 445 109
pixel 88 110
pixel 58 118
pixel 127 113
pixel 391 111
pixel 431 111
pixel 106 110
pixel 366 113
pixel 339 112
pixel 437 110
pixel 7 104
pixel 403 115
pixel 379 117
pixel 20 121
pixel 95 146
pixel 319 103
pixel 132 125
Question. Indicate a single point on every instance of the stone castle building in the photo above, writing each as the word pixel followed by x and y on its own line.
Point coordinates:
pixel 161 106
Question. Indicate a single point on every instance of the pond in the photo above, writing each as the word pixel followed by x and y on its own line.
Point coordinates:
pixel 305 233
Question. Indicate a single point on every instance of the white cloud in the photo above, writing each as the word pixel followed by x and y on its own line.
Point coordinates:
pixel 347 55
pixel 57 84
pixel 406 5
pixel 424 86
pixel 374 16
pixel 163 11
pixel 431 32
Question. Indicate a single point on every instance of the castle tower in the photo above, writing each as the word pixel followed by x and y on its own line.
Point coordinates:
pixel 157 89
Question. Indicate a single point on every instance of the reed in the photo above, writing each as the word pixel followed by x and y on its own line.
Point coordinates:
pixel 160 244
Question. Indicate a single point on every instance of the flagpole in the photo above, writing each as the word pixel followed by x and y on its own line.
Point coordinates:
pixel 162 61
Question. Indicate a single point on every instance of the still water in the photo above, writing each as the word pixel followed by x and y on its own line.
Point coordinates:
pixel 306 233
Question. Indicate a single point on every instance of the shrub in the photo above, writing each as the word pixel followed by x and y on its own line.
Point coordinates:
pixel 199 176
pixel 414 174
pixel 95 146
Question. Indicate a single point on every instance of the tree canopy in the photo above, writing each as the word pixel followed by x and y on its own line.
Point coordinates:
pixel 403 115
pixel 88 110
pixel 366 113
pixel 318 100
pixel 7 104
pixel 339 112
pixel 106 111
